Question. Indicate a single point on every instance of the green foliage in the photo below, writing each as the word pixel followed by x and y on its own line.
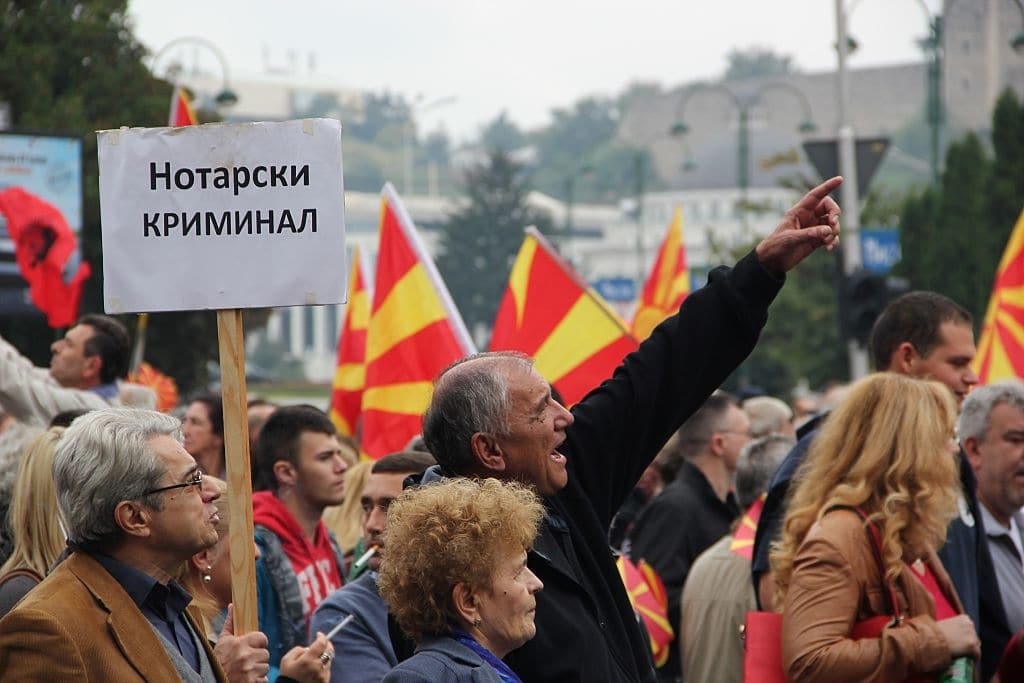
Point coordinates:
pixel 75 68
pixel 953 236
pixel 503 134
pixel 801 339
pixel 1006 191
pixel 479 243
pixel 756 62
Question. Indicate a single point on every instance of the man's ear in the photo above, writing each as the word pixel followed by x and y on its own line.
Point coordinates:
pixel 133 518
pixel 464 603
pixel 488 451
pixel 716 444
pixel 904 358
pixel 285 473
pixel 970 447
pixel 91 367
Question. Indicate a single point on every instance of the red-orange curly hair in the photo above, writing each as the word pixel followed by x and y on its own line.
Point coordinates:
pixel 448 533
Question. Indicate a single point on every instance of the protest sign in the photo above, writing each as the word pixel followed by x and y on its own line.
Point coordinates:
pixel 222 216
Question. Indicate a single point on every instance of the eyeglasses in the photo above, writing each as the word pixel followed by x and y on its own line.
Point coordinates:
pixel 196 481
pixel 747 433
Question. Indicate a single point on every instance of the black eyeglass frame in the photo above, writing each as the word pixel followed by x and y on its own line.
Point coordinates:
pixel 196 481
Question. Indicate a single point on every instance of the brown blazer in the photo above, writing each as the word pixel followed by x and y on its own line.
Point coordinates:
pixel 79 624
pixel 835 584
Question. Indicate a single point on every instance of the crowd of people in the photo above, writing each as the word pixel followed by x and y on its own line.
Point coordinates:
pixel 487 550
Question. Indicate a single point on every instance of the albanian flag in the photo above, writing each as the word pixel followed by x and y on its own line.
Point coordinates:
pixel 43 247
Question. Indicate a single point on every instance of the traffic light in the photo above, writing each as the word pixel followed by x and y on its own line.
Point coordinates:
pixel 864 296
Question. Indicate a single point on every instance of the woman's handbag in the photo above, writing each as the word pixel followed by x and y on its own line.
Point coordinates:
pixel 762 631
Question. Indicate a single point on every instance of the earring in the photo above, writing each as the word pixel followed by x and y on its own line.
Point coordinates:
pixel 477 621
pixel 207 578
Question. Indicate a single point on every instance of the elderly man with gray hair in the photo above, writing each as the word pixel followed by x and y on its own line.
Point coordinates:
pixel 718 592
pixel 991 431
pixel 135 508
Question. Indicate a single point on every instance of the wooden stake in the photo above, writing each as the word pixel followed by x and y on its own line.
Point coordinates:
pixel 231 339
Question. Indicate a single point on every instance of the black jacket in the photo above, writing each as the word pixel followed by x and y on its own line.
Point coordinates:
pixel 586 627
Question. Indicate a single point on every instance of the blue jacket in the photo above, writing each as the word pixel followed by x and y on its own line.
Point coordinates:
pixel 442 660
pixel 362 650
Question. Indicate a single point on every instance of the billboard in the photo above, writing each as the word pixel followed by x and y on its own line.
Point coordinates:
pixel 50 167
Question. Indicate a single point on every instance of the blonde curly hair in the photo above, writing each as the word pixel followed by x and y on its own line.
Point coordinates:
pixel 443 534
pixel 885 449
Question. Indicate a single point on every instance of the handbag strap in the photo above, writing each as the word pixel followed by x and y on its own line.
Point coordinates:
pixel 876 549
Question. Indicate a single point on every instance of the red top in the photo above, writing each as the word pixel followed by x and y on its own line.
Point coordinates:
pixel 943 607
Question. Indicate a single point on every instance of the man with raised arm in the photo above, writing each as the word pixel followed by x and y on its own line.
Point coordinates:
pixel 492 415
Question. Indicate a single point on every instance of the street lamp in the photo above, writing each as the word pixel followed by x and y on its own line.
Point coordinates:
pixel 225 97
pixel 409 135
pixel 743 102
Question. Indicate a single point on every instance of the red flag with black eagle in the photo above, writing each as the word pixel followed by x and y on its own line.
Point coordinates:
pixel 43 247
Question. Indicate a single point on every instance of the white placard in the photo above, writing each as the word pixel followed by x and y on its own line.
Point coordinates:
pixel 219 216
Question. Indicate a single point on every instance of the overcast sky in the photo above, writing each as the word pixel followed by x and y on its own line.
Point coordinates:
pixel 527 56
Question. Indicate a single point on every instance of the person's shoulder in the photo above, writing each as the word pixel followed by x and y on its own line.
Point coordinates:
pixel 840 528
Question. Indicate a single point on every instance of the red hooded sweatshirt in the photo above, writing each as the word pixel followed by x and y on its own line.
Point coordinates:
pixel 314 564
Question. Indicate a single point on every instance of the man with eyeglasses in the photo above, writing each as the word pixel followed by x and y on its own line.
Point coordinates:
pixel 696 509
pixel 135 508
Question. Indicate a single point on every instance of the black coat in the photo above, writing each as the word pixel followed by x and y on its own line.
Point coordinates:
pixel 586 627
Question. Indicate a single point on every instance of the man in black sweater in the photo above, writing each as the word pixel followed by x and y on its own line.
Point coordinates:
pixel 493 415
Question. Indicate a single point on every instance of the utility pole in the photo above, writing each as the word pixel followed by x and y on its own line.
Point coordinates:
pixel 849 200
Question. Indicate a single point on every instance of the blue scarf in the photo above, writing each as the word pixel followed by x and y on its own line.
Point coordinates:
pixel 506 674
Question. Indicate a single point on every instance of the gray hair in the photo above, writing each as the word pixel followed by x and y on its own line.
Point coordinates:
pixel 757 464
pixel 470 396
pixel 768 415
pixel 105 458
pixel 979 404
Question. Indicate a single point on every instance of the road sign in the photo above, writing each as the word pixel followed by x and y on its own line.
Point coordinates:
pixel 869 152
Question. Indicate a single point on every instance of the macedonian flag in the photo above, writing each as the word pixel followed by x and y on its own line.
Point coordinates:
pixel 650 602
pixel 548 312
pixel 350 373
pixel 668 283
pixel 182 113
pixel 415 332
pixel 1001 347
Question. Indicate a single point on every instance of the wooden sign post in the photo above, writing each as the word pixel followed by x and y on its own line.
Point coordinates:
pixel 224 217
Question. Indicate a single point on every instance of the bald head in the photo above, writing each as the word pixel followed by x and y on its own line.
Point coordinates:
pixel 470 396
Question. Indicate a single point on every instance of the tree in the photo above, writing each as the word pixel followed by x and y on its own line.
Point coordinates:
pixel 1007 187
pixel 575 140
pixel 503 134
pixel 75 68
pixel 479 243
pixel 756 62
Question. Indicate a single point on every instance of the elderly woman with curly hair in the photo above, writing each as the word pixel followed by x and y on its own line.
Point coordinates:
pixel 873 500
pixel 456 578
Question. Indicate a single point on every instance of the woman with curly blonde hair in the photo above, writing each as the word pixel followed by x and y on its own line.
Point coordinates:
pixel 456 579
pixel 873 500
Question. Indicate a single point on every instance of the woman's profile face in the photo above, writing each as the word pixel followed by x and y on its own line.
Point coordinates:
pixel 197 429
pixel 507 607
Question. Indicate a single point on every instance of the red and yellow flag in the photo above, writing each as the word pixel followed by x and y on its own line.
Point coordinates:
pixel 650 601
pixel 1001 347
pixel 548 312
pixel 668 283
pixel 182 113
pixel 350 373
pixel 742 542
pixel 415 332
